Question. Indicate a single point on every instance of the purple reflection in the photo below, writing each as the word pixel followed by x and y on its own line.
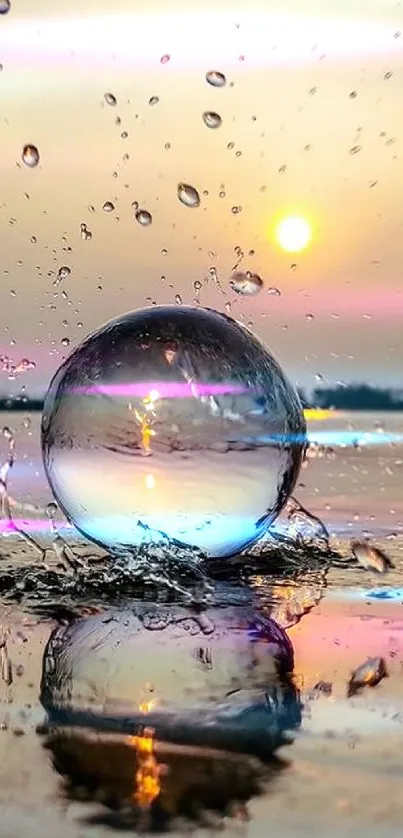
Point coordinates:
pixel 163 389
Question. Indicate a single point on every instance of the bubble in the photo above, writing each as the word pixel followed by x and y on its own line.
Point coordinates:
pixel 110 99
pixel 212 119
pixel 215 78
pixel 30 154
pixel 188 195
pixel 172 421
pixel 5 6
pixel 246 283
pixel 143 217
pixel 108 206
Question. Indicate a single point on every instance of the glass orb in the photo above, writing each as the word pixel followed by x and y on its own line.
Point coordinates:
pixel 172 422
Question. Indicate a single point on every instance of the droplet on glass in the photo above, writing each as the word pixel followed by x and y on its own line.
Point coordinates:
pixel 30 154
pixel 188 195
pixel 205 369
pixel 110 99
pixel 86 234
pixel 274 292
pixel 143 217
pixel 212 119
pixel 246 283
pixel 215 78
pixel 63 273
pixel 5 6
pixel 108 206
pixel 153 100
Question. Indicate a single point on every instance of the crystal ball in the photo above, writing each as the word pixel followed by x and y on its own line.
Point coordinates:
pixel 172 422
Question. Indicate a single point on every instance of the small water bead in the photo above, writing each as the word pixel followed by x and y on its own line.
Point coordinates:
pixel 274 292
pixel 165 58
pixel 188 195
pixel 309 318
pixel 63 273
pixel 86 234
pixel 197 429
pixel 246 283
pixel 388 75
pixel 110 99
pixel 153 100
pixel 212 119
pixel 197 285
pixel 143 217
pixel 51 510
pixel 30 155
pixel 108 206
pixel 178 299
pixel 236 210
pixel 65 341
pixel 215 78
pixel 5 6
pixel 355 149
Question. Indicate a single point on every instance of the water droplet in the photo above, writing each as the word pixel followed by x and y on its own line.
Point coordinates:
pixel 153 100
pixel 274 292
pixel 246 283
pixel 5 6
pixel 215 78
pixel 165 58
pixel 235 210
pixel 397 34
pixel 353 94
pixel 30 155
pixel 167 146
pixel 205 377
pixel 221 194
pixel 212 119
pixel 388 75
pixel 143 217
pixel 188 195
pixel 178 299
pixel 65 341
pixel 355 149
pixel 312 91
pixel 282 169
pixel 110 99
pixel 230 146
pixel 309 318
pixel 62 274
pixel 228 307
pixel 51 509
pixel 33 240
pixel 108 206
pixel 86 234
pixel 197 285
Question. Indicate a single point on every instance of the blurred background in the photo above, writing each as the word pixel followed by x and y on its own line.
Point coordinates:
pixel 292 143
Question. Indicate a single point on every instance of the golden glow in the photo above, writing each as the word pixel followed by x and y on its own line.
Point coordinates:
pixel 294 233
pixel 147 784
pixel 150 481
pixel 316 414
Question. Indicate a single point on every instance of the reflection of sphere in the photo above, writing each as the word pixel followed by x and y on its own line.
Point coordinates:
pixel 175 421
pixel 209 678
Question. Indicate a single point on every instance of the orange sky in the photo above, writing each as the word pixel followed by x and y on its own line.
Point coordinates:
pixel 286 104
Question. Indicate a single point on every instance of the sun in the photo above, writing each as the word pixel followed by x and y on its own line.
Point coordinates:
pixel 294 233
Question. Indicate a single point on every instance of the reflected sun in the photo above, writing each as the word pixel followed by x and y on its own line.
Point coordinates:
pixel 294 233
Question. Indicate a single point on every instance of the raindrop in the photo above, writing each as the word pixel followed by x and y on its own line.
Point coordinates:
pixel 197 285
pixel 353 94
pixel 65 341
pixel 108 206
pixel 212 119
pixel 4 7
pixel 235 210
pixel 63 273
pixel 312 91
pixel 215 78
pixel 164 59
pixel 86 234
pixel 282 169
pixel 110 99
pixel 388 75
pixel 153 100
pixel 178 299
pixel 188 195
pixel 355 149
pixel 30 155
pixel 143 217
pixel 246 283
pixel 274 292
pixel 309 318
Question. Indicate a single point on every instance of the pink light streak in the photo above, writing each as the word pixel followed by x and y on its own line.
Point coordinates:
pixel 163 389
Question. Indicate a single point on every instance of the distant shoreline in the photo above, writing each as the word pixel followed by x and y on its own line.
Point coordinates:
pixel 36 406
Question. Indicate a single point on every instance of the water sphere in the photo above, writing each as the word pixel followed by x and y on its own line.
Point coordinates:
pixel 172 421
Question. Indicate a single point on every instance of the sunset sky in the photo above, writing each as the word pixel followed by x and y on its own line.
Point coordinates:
pixel 312 125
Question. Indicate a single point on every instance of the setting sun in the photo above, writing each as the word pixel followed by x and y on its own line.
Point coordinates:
pixel 294 234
